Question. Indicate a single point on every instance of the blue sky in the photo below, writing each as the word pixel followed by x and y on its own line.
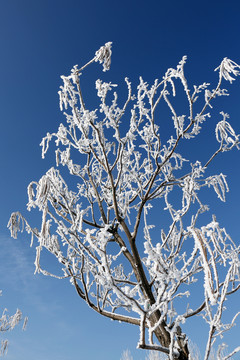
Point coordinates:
pixel 41 40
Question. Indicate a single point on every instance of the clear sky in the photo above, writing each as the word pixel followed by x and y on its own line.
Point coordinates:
pixel 41 40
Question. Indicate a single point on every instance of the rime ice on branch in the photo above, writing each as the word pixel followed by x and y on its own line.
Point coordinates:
pixel 101 231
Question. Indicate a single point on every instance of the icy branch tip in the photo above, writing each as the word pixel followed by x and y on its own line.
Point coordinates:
pixel 226 68
pixel 103 55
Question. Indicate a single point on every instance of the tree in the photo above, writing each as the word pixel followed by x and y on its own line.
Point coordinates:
pixel 8 323
pixel 122 168
pixel 126 355
pixel 152 355
pixel 156 355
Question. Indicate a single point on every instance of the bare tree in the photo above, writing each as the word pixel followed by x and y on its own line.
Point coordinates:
pixel 101 233
pixel 155 355
pixel 193 350
pixel 126 355
pixel 8 323
pixel 152 355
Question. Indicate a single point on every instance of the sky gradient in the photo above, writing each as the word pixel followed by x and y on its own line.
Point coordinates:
pixel 40 41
